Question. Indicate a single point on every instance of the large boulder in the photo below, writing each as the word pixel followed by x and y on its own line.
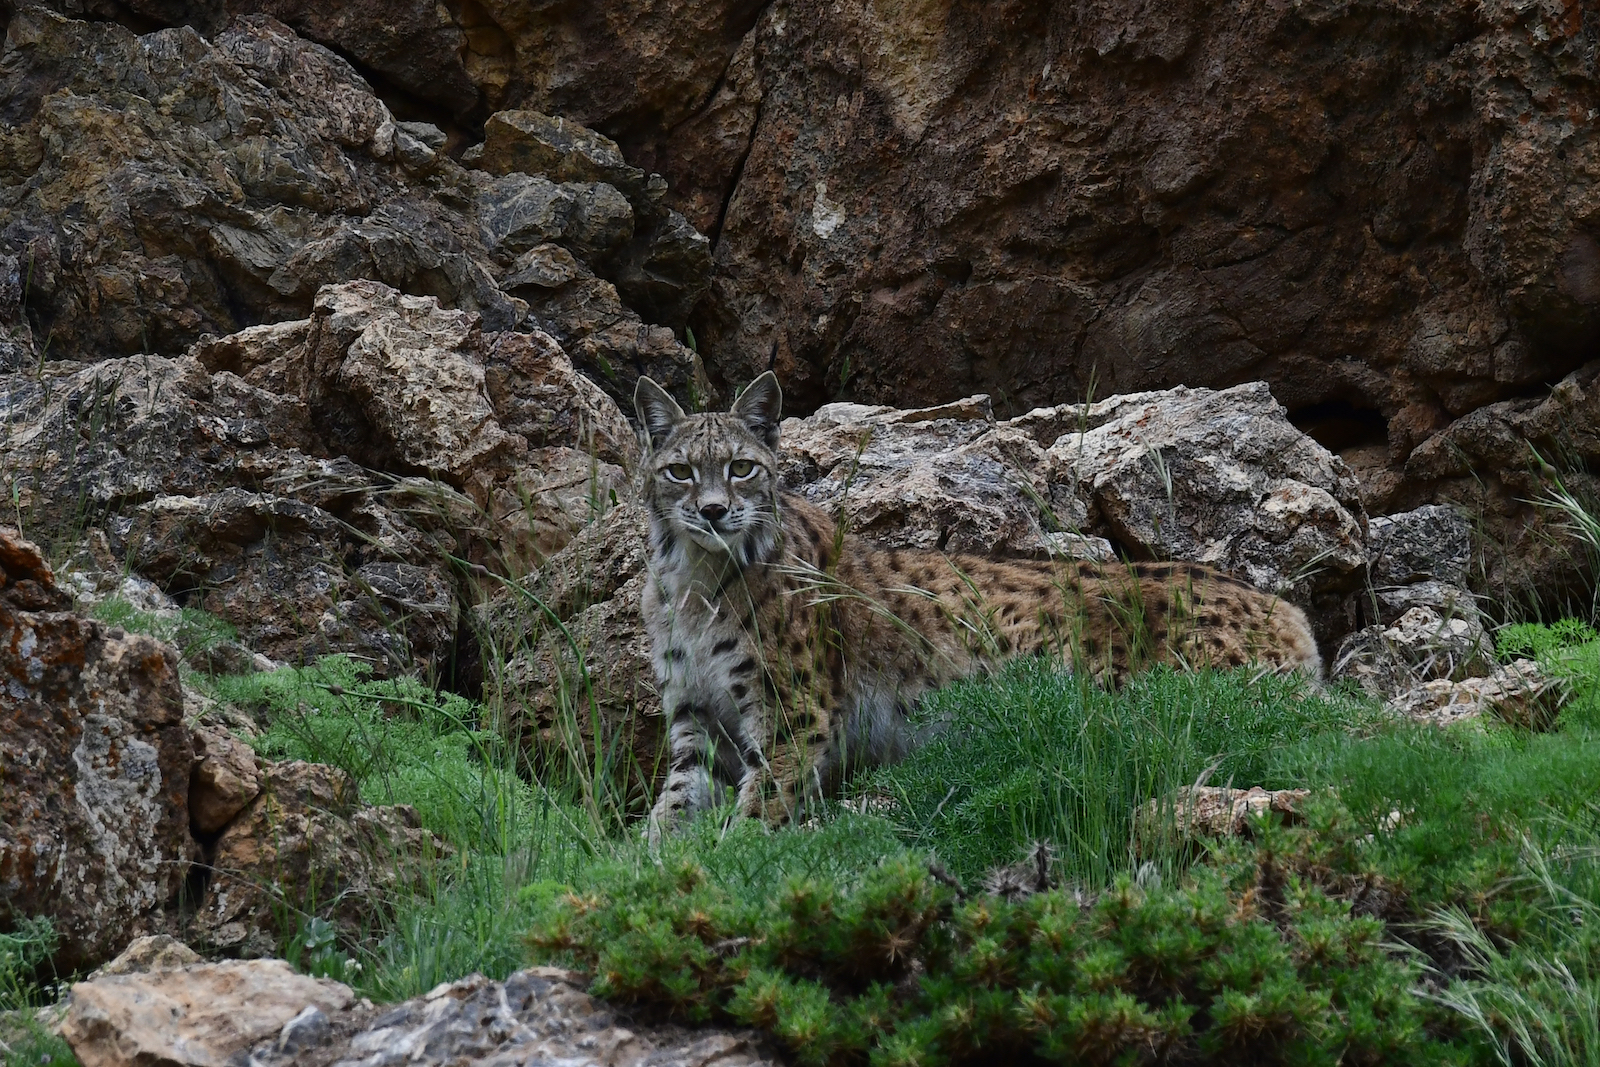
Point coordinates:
pixel 191 1016
pixel 94 768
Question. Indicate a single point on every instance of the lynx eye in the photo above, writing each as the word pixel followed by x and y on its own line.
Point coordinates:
pixel 680 472
pixel 742 468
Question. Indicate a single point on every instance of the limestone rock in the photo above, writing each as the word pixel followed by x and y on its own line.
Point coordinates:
pixel 1519 693
pixel 153 952
pixel 195 1016
pixel 1422 645
pixel 1214 811
pixel 399 368
pixel 1218 477
pixel 946 477
pixel 306 845
pixel 94 762
pixel 540 1015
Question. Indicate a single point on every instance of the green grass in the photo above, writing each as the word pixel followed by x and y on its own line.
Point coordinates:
pixel 1034 754
pixel 24 956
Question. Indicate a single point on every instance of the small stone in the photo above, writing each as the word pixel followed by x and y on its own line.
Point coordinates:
pixel 306 1030
pixel 153 952
pixel 1213 811
pixel 226 777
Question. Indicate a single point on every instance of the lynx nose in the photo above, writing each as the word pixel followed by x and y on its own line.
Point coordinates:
pixel 713 512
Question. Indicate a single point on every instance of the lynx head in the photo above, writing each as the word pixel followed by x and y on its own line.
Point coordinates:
pixel 711 480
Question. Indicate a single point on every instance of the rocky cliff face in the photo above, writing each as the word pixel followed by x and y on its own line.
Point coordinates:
pixel 1389 211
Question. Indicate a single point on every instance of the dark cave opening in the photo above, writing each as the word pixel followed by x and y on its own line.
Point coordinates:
pixel 1340 424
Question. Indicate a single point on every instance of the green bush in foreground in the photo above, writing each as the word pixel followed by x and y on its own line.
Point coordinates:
pixel 892 966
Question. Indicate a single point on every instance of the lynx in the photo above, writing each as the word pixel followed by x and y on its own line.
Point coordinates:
pixel 789 652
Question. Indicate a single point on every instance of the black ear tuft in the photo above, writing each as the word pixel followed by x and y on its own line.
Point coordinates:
pixel 761 408
pixel 658 412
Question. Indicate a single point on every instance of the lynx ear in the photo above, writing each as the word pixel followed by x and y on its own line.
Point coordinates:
pixel 658 412
pixel 760 407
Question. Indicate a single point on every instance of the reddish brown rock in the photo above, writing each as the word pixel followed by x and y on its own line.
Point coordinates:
pixel 226 777
pixel 94 768
pixel 1374 209
pixel 306 846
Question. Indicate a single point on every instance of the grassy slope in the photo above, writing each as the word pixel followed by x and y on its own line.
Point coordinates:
pixel 1492 853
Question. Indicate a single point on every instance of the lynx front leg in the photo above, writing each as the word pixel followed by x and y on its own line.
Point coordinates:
pixel 688 788
pixel 787 759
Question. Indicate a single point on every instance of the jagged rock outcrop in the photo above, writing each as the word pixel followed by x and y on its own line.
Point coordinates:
pixel 1386 211
pixel 1383 206
pixel 308 481
pixel 94 768
pixel 110 799
pixel 1494 461
pixel 220 183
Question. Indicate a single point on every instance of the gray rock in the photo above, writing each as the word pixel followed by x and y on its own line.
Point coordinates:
pixel 536 1016
pixel 946 477
pixel 1219 477
pixel 426 132
pixel 271 477
pixel 1519 693
pixel 1430 543
pixel 304 1032
pixel 224 179
pixel 1422 645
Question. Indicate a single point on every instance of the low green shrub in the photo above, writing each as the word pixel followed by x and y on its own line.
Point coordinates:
pixel 1448 812
pixel 1568 649
pixel 890 964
